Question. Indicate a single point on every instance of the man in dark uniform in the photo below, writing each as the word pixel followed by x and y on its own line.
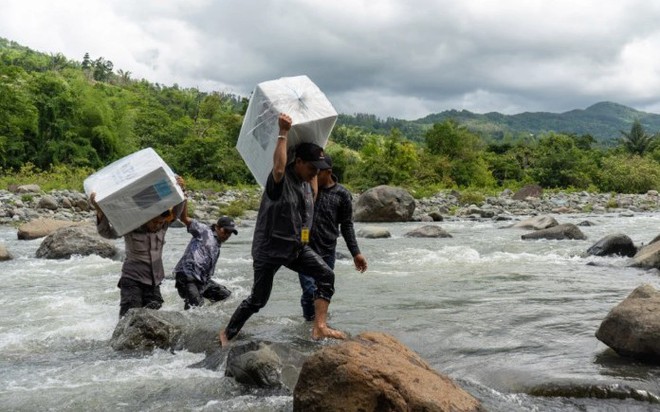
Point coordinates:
pixel 333 210
pixel 142 271
pixel 281 235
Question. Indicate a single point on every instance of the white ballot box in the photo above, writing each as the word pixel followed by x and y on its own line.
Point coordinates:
pixel 312 115
pixel 134 189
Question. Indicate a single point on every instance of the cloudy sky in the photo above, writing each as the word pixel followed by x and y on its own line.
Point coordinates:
pixel 399 58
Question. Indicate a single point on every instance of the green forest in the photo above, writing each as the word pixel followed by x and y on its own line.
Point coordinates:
pixel 62 119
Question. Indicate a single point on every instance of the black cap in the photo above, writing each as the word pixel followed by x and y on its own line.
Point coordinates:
pixel 226 222
pixel 312 153
pixel 328 161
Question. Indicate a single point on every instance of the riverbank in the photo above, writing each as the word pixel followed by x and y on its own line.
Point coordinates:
pixel 29 203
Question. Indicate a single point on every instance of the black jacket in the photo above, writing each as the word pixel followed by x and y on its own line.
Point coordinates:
pixel 282 214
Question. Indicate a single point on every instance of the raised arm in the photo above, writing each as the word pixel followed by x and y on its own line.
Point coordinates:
pixel 279 156
pixel 184 218
pixel 103 226
pixel 181 210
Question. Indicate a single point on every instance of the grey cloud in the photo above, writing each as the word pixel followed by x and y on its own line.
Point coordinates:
pixel 397 58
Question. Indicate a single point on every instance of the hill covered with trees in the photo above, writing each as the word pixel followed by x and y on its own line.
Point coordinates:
pixel 63 117
pixel 604 121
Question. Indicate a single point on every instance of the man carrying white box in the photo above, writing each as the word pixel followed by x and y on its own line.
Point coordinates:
pixel 281 235
pixel 142 271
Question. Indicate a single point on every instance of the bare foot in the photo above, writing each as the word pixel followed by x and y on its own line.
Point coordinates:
pixel 222 338
pixel 326 332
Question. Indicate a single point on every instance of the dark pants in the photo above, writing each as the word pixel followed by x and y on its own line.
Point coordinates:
pixel 308 285
pixel 307 261
pixel 134 294
pixel 194 292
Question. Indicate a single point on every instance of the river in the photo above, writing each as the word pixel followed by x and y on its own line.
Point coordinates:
pixel 499 315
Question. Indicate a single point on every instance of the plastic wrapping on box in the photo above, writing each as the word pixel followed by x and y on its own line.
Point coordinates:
pixel 134 189
pixel 312 115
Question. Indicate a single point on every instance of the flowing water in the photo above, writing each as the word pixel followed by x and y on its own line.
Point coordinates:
pixel 497 314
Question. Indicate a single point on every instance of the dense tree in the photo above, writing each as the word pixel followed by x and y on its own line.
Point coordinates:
pixel 388 160
pixel 637 141
pixel 628 174
pixel 463 149
pixel 18 118
pixel 559 163
pixel 63 116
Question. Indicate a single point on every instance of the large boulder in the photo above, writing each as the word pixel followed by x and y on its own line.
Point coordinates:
pixel 648 257
pixel 375 372
pixel 632 328
pixel 42 227
pixel 384 204
pixel 75 240
pixel 147 329
pixel 428 231
pixel 618 244
pixel 559 232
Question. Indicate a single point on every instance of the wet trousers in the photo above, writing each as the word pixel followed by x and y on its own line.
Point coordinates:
pixel 307 261
pixel 308 285
pixel 194 292
pixel 134 294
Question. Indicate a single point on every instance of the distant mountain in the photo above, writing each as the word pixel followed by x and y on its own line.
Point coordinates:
pixel 604 121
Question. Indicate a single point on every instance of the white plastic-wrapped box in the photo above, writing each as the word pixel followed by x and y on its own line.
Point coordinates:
pixel 134 189
pixel 312 115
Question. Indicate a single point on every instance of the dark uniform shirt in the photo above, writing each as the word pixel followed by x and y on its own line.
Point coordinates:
pixel 286 207
pixel 333 210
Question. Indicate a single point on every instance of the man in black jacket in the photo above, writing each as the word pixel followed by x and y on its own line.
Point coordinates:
pixel 333 210
pixel 281 235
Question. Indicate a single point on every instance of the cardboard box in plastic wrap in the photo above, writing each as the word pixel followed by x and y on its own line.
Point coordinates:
pixel 134 189
pixel 312 115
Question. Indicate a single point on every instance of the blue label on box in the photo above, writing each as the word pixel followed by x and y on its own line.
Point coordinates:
pixel 163 188
pixel 153 194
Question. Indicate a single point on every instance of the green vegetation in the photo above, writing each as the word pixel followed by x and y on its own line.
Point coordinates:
pixel 60 120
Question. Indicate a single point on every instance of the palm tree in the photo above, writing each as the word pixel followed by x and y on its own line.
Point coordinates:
pixel 637 141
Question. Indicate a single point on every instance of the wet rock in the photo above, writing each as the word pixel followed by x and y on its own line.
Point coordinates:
pixel 373 232
pixel 4 253
pixel 648 257
pixel 536 223
pixel 617 244
pixel 75 240
pixel 265 364
pixel 428 231
pixel 436 216
pixel 375 372
pixel 559 232
pixel 613 391
pixel 586 223
pixel 146 329
pixel 632 328
pixel 384 204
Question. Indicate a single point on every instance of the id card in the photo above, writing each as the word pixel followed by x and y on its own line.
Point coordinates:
pixel 304 235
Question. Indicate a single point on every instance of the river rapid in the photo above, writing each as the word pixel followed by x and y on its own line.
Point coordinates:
pixel 499 315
